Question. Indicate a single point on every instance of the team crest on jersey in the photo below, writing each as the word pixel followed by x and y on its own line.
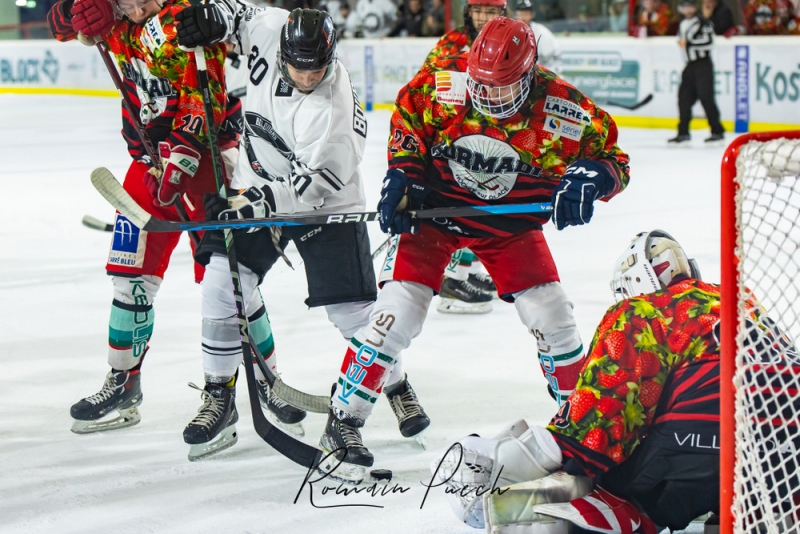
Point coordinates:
pixel 451 87
pixel 484 166
pixel 566 109
pixel 128 245
pixel 153 35
pixel 563 128
pixel 151 90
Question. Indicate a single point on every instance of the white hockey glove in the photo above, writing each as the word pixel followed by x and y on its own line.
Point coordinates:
pixel 474 466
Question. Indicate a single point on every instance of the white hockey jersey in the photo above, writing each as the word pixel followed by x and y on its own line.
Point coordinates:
pixel 306 147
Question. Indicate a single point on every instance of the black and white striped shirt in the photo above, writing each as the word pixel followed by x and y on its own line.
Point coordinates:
pixel 698 33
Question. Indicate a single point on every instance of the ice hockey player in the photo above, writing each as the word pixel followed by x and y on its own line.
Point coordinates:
pixel 504 132
pixel 160 78
pixel 303 142
pixel 465 288
pixel 643 422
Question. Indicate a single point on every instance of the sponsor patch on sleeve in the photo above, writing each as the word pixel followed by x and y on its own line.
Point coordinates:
pixel 563 128
pixel 451 87
pixel 153 35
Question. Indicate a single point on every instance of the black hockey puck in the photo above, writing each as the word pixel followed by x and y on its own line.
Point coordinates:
pixel 381 474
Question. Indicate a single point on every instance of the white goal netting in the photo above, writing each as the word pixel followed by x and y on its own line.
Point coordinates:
pixel 767 377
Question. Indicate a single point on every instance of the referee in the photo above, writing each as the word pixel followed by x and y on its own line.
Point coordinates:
pixel 696 37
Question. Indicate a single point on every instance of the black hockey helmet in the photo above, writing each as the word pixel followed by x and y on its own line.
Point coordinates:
pixel 308 40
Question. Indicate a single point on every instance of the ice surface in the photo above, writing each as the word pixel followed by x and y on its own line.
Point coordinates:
pixel 472 373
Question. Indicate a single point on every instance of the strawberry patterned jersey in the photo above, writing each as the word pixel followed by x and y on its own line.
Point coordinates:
pixel 453 43
pixel 466 158
pixel 162 80
pixel 654 360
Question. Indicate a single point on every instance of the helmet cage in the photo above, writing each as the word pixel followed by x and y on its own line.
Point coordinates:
pixel 499 102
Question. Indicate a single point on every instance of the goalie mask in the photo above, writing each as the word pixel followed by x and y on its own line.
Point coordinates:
pixel 499 67
pixel 651 262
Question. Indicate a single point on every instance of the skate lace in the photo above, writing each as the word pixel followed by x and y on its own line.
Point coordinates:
pixel 471 288
pixel 211 410
pixel 483 277
pixel 406 405
pixel 107 390
pixel 273 398
pixel 350 435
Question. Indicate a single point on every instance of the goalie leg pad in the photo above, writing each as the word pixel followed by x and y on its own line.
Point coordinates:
pixel 547 312
pixel 599 511
pixel 533 455
pixel 517 504
pixel 131 323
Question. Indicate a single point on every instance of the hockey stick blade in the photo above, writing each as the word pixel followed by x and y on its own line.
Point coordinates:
pixel 110 188
pixel 646 100
pixel 96 224
pixel 295 397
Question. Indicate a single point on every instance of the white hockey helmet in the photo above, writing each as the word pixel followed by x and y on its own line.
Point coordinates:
pixel 651 262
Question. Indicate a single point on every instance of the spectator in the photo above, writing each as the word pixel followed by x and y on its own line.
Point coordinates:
pixel 547 47
pixel 551 10
pixel 720 16
pixel 790 22
pixel 618 16
pixel 376 17
pixel 410 22
pixel 655 16
pixel 434 20
pixel 761 17
pixel 350 25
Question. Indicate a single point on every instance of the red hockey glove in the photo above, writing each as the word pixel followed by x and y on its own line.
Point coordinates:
pixel 180 164
pixel 92 18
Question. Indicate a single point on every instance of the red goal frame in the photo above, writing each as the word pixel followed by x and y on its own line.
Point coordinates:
pixel 729 320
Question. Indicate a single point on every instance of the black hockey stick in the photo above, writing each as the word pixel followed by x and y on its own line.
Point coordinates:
pixel 96 224
pixel 294 449
pixel 646 100
pixel 152 153
pixel 110 188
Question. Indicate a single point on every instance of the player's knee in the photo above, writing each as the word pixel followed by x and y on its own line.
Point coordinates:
pixel 221 346
pixel 398 316
pixel 547 312
pixel 349 317
pixel 136 291
pixel 218 298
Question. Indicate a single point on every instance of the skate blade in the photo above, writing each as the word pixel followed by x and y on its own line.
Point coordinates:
pixel 124 418
pixel 456 306
pixel 334 469
pixel 225 440
pixel 422 440
pixel 295 429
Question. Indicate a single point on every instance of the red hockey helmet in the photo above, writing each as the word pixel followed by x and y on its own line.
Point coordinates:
pixel 499 67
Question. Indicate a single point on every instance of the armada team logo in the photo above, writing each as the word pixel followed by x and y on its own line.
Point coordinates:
pixel 486 167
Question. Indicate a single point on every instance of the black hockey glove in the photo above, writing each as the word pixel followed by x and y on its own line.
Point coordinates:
pixel 585 181
pixel 201 25
pixel 252 203
pixel 398 194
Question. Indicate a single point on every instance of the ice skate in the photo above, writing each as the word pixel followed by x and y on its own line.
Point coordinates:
pixel 411 418
pixel 349 462
pixel 213 428
pixel 483 282
pixel 460 296
pixel 680 140
pixel 279 411
pixel 716 139
pixel 113 407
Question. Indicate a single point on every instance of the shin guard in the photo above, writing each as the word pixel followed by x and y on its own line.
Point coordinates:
pixel 131 323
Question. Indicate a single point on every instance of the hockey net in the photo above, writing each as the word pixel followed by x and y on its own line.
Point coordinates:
pixel 760 432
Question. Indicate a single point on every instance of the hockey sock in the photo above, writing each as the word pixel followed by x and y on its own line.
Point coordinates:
pixel 261 336
pixel 129 329
pixel 363 374
pixel 460 263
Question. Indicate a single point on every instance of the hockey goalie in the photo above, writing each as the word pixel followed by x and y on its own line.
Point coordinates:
pixel 636 446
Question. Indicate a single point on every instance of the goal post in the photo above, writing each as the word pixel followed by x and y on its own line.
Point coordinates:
pixel 760 382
